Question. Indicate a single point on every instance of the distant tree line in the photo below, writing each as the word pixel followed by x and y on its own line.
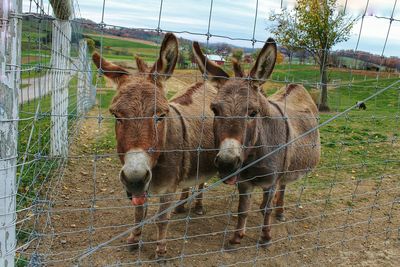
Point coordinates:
pixel 388 62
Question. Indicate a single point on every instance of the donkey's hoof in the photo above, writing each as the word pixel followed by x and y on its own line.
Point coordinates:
pixel 231 247
pixel 234 242
pixel 161 259
pixel 133 243
pixel 264 243
pixel 280 217
pixel 133 247
pixel 199 210
pixel 180 210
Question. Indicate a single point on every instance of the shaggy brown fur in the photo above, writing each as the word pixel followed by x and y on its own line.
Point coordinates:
pixel 170 132
pixel 262 124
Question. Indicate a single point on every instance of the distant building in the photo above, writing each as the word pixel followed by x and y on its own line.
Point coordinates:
pixel 217 59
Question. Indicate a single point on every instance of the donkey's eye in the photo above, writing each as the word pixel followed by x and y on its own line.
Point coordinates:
pixel 160 118
pixel 118 120
pixel 253 114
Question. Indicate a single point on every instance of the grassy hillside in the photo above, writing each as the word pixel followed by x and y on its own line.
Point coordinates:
pixel 120 42
pixel 121 49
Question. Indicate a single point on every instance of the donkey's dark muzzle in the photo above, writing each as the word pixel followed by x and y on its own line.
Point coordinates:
pixel 226 167
pixel 135 187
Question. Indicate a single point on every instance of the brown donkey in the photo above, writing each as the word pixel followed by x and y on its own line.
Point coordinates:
pixel 249 125
pixel 158 141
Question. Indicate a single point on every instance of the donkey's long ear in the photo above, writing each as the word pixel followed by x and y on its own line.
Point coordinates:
pixel 237 68
pixel 265 63
pixel 213 71
pixel 141 65
pixel 167 59
pixel 110 70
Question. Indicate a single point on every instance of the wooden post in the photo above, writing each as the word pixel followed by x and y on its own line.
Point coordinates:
pixel 62 9
pixel 10 62
pixel 86 96
pixel 91 87
pixel 83 90
pixel 60 84
pixel 60 76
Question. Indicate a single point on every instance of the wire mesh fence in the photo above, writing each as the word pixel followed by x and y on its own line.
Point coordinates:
pixel 67 123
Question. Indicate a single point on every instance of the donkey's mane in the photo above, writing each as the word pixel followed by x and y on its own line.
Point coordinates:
pixel 186 98
pixel 290 88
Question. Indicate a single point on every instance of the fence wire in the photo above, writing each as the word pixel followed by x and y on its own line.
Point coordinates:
pixel 62 169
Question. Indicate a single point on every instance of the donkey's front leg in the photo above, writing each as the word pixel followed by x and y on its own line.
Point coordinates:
pixel 198 208
pixel 280 195
pixel 162 225
pixel 134 237
pixel 184 195
pixel 245 191
pixel 267 210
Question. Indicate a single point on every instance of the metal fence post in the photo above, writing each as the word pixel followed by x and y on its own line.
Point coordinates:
pixel 60 75
pixel 10 61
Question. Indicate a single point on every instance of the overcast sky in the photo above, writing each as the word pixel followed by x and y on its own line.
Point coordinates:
pixel 236 19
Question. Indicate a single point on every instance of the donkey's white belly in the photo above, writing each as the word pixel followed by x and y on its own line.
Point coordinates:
pixel 193 181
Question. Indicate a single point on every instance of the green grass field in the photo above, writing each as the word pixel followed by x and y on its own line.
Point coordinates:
pixel 309 73
pixel 114 42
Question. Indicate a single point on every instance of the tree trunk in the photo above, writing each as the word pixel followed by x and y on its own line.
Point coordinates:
pixel 323 106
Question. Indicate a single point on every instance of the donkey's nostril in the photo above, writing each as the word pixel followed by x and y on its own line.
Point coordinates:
pixel 227 164
pixel 219 162
pixel 237 162
pixel 123 176
pixel 135 181
pixel 216 161
pixel 147 177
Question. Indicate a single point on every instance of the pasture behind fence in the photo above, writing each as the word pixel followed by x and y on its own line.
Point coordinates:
pixel 63 203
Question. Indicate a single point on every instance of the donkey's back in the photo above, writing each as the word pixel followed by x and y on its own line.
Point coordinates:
pixel 302 115
pixel 193 106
